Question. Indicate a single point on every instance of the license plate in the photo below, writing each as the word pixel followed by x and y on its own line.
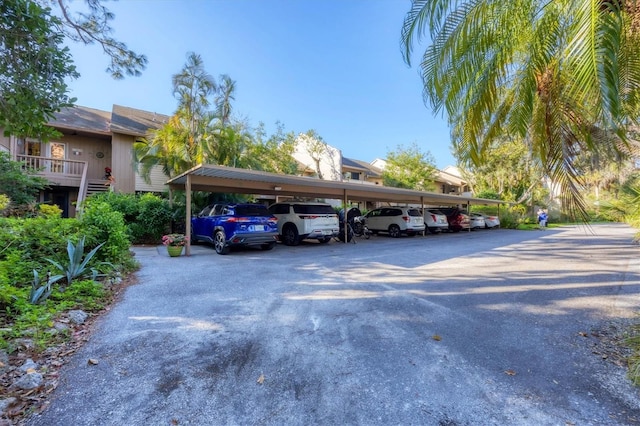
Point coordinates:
pixel 256 228
pixel 326 232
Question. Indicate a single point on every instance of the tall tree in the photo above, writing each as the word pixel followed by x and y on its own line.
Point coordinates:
pixel 562 75
pixel 181 143
pixel 35 64
pixel 410 168
pixel 317 149
pixel 33 69
pixel 506 170
pixel 274 153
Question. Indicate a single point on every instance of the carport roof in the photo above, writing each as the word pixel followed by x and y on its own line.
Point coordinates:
pixel 214 178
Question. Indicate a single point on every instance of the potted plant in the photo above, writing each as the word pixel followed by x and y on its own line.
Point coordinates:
pixel 174 243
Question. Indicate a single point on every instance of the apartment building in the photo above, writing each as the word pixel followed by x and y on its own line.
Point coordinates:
pixel 94 144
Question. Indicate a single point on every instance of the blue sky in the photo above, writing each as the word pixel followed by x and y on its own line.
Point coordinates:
pixel 334 66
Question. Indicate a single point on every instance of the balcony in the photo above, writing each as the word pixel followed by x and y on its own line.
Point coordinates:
pixel 58 172
pixel 71 173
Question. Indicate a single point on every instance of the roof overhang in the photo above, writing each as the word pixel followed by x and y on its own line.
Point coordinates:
pixel 214 178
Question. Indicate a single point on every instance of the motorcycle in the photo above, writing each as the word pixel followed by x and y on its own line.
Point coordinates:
pixel 360 227
pixel 355 223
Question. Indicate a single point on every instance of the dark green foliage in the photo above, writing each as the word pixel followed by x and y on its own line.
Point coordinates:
pixel 88 295
pixel 146 216
pixel 100 223
pixel 34 67
pixel 489 195
pixel 19 184
pixel 27 242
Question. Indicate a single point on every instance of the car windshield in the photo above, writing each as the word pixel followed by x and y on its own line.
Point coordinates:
pixel 313 209
pixel 250 210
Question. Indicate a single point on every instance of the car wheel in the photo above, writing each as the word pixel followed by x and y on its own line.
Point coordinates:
pixel 358 228
pixel 290 235
pixel 394 231
pixel 324 240
pixel 220 243
pixel 268 246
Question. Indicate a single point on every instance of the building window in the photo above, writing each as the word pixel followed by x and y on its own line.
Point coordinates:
pixel 58 153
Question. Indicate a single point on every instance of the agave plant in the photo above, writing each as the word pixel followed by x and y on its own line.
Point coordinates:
pixel 41 292
pixel 77 266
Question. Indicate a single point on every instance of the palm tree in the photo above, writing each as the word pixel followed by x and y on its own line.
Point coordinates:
pixel 224 96
pixel 180 144
pixel 562 75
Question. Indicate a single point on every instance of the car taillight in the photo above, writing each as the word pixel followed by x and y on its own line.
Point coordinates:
pixel 433 217
pixel 273 220
pixel 308 216
pixel 238 219
pixel 406 218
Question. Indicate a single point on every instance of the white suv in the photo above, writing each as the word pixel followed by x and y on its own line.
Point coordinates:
pixel 395 221
pixel 300 220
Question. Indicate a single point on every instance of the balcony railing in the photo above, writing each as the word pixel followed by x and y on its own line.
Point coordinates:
pixel 61 172
pixel 47 166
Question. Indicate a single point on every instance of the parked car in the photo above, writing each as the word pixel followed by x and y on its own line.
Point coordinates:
pixel 300 220
pixel 490 221
pixel 457 219
pixel 435 221
pixel 395 221
pixel 227 225
pixel 477 221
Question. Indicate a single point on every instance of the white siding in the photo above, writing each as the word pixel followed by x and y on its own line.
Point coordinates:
pixel 157 184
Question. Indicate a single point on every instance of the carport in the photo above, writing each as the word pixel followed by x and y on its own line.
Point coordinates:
pixel 222 179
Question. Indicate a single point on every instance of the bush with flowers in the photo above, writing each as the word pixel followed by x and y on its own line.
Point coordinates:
pixel 174 240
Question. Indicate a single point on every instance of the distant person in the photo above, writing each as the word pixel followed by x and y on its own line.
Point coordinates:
pixel 542 218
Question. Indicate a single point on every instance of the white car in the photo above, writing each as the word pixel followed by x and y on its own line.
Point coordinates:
pixel 300 220
pixel 490 221
pixel 477 221
pixel 436 221
pixel 395 220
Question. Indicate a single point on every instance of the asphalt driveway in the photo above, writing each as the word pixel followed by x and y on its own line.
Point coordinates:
pixel 488 328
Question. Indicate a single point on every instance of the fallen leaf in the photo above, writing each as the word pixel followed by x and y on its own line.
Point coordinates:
pixel 436 337
pixel 31 370
pixel 583 334
pixel 261 379
pixel 510 372
pixel 92 361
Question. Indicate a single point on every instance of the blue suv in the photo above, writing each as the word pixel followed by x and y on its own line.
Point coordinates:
pixel 227 225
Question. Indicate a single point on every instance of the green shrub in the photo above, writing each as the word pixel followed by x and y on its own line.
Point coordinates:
pixel 27 242
pixel 48 210
pixel 146 216
pixel 100 223
pixel 512 216
pixel 88 295
pixel 153 220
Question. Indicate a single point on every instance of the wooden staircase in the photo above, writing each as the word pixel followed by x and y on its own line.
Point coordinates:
pixel 96 186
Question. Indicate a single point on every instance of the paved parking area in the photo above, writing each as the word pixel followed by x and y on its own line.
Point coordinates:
pixel 492 327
